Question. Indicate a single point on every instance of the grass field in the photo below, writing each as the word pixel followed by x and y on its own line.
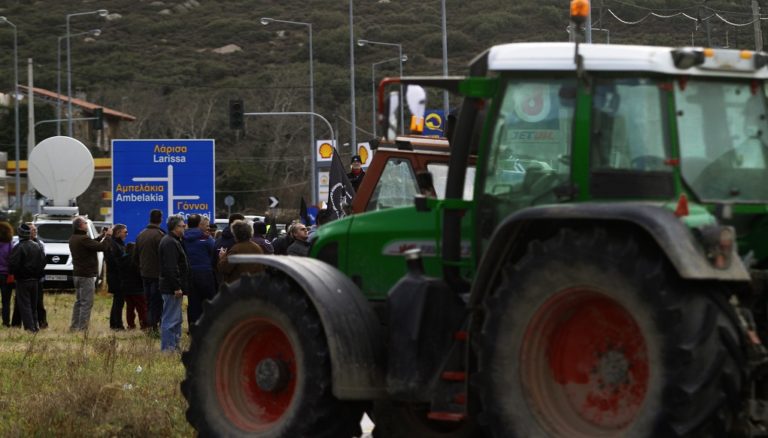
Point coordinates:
pixel 99 383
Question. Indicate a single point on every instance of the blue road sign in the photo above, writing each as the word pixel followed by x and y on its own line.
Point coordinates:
pixel 434 122
pixel 173 176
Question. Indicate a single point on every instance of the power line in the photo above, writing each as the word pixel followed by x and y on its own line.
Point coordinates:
pixel 652 9
pixel 270 189
pixel 684 15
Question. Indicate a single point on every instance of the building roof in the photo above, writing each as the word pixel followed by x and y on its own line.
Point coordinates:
pixel 616 57
pixel 108 112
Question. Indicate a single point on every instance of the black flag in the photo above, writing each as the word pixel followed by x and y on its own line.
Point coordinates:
pixel 340 190
pixel 303 212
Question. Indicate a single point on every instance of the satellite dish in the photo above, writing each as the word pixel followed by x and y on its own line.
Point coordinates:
pixel 416 97
pixel 61 168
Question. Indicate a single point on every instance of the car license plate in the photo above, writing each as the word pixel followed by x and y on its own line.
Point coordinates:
pixel 56 278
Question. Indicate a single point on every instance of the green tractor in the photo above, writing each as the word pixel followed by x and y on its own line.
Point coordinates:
pixel 605 278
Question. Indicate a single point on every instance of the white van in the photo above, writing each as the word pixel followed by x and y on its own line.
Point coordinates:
pixel 54 231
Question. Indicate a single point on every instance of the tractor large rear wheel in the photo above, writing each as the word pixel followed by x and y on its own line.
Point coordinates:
pixel 258 365
pixel 594 335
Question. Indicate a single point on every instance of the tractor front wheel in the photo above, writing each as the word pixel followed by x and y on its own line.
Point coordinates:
pixel 258 365
pixel 593 334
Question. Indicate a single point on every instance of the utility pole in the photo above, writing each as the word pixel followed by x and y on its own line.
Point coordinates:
pixel 446 103
pixel 31 108
pixel 30 130
pixel 353 136
pixel 588 27
pixel 706 28
pixel 756 25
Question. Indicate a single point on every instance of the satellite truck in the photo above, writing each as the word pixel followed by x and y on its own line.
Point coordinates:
pixel 61 168
pixel 606 279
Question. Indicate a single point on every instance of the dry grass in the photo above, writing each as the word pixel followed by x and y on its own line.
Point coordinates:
pixel 99 383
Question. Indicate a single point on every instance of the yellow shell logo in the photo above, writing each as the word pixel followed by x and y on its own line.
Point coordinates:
pixel 326 150
pixel 433 121
pixel 363 152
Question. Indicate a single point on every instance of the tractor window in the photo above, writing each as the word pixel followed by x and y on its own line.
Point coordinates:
pixel 627 126
pixel 439 173
pixel 723 139
pixel 529 154
pixel 396 187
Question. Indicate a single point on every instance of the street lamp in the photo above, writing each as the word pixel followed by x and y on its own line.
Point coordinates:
pixel 265 21
pixel 100 13
pixel 94 32
pixel 373 86
pixel 445 57
pixel 353 136
pixel 363 43
pixel 4 20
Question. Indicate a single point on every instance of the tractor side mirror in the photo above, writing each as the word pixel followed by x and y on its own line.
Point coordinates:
pixel 426 189
pixel 426 184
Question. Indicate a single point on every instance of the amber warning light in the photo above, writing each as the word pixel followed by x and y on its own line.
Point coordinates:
pixel 579 10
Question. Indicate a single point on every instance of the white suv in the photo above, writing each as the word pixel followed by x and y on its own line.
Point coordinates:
pixel 54 231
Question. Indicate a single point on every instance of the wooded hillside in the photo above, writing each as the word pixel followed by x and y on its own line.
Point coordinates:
pixel 157 60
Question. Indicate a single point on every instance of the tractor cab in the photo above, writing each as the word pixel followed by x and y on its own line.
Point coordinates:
pixel 646 124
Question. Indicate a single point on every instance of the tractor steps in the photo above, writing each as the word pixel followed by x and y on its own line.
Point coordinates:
pixel 447 416
pixel 454 376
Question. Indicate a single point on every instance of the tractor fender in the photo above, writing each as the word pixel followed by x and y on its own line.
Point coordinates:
pixel 353 332
pixel 674 239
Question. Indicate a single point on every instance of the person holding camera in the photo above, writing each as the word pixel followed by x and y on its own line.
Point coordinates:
pixel 85 264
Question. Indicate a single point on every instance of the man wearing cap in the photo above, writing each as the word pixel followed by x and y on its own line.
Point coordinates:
pixel 357 173
pixel 85 269
pixel 27 264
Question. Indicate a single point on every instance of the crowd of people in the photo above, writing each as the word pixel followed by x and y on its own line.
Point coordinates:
pixel 147 279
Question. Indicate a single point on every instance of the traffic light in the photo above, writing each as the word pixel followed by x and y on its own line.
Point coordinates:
pixel 236 114
pixel 98 121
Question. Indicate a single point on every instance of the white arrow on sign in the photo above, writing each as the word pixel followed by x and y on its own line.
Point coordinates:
pixel 273 201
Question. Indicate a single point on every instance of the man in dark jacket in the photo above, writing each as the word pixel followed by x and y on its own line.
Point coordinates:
pixel 42 315
pixel 227 239
pixel 85 264
pixel 114 280
pixel 356 172
pixel 174 272
pixel 259 231
pixel 281 243
pixel 27 264
pixel 300 246
pixel 133 289
pixel 199 247
pixel 145 257
pixel 243 233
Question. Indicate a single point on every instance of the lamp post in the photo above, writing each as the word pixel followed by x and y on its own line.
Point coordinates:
pixel 373 87
pixel 265 21
pixel 101 13
pixel 94 32
pixel 353 137
pixel 445 59
pixel 16 109
pixel 362 43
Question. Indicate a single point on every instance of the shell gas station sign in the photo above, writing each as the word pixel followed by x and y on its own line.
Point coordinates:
pixel 324 150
